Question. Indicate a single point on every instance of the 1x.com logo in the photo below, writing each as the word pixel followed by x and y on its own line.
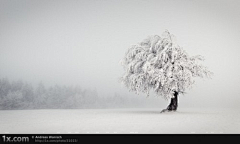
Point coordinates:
pixel 15 139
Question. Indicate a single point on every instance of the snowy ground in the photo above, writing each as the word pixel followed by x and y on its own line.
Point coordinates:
pixel 120 121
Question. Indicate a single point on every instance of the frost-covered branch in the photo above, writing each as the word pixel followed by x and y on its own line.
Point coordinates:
pixel 159 63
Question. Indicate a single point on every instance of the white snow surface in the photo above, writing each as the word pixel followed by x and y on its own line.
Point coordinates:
pixel 120 121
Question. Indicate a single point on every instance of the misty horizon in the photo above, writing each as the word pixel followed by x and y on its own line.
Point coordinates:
pixel 82 42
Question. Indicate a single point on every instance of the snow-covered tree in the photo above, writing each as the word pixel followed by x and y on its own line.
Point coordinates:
pixel 160 64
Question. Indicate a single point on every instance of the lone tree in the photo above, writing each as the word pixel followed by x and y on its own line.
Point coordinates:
pixel 159 63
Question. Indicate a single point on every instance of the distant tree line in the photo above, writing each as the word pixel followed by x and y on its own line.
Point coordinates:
pixel 22 95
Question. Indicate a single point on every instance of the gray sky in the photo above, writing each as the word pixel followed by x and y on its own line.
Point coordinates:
pixel 70 42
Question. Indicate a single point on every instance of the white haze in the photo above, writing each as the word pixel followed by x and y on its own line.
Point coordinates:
pixel 81 43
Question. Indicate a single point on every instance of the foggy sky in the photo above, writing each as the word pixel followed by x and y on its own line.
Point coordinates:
pixel 70 42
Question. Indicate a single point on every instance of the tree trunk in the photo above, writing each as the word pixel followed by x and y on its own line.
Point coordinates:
pixel 173 104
